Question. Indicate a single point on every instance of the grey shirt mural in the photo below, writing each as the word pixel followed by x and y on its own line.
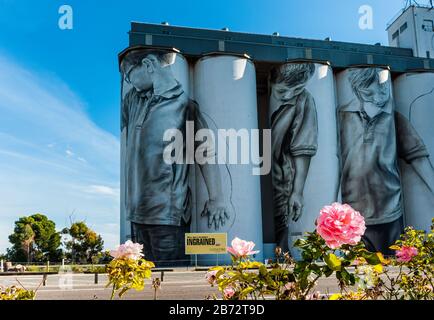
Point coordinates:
pixel 369 147
pixel 156 192
pixel 372 137
pixel 294 133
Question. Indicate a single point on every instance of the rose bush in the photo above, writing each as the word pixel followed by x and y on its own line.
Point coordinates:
pixel 415 261
pixel 128 270
pixel 335 248
pixel 15 293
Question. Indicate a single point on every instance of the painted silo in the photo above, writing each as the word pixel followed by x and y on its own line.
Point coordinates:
pixel 302 115
pixel 225 90
pixel 170 86
pixel 370 139
pixel 414 98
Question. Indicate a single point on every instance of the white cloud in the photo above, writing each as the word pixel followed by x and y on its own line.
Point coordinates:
pixel 103 190
pixel 53 158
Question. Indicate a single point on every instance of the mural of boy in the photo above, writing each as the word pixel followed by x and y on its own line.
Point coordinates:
pixel 157 194
pixel 372 137
pixel 294 131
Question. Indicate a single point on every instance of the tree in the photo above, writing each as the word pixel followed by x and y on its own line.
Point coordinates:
pixel 35 239
pixel 85 245
pixel 28 238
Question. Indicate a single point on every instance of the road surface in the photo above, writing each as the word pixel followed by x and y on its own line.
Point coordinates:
pixel 180 285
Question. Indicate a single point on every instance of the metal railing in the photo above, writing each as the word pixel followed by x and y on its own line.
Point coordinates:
pixel 408 5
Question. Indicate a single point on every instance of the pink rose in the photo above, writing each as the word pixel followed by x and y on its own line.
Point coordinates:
pixel 289 286
pixel 359 262
pixel 314 296
pixel 211 277
pixel 340 224
pixel 405 254
pixel 128 250
pixel 229 292
pixel 241 248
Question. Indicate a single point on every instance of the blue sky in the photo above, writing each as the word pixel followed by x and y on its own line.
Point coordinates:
pixel 59 90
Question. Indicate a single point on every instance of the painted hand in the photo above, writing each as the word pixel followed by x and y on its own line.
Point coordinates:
pixel 217 213
pixel 295 206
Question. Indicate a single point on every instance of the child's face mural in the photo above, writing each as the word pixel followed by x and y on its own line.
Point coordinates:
pixel 140 77
pixel 377 94
pixel 284 93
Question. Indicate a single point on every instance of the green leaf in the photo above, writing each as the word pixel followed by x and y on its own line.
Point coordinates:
pixel 299 243
pixel 246 292
pixel 347 277
pixel 371 258
pixel 300 266
pixel 307 255
pixel 263 270
pixel 254 265
pixel 290 277
pixel 327 271
pixel 336 296
pixel 303 279
pixel 316 269
pixel 333 262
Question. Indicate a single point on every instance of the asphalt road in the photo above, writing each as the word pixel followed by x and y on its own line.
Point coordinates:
pixel 190 285
pixel 184 285
pixel 176 285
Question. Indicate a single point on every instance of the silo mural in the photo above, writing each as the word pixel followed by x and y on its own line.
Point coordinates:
pixel 305 173
pixel 372 137
pixel 225 90
pixel 234 137
pixel 156 196
pixel 414 95
pixel 180 70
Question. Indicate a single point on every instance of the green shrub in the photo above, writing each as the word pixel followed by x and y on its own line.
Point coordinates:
pixel 15 293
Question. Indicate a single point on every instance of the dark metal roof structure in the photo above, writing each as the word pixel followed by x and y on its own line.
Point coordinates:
pixel 270 49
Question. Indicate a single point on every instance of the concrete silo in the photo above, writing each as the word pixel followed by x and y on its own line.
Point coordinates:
pixel 302 114
pixel 414 97
pixel 225 90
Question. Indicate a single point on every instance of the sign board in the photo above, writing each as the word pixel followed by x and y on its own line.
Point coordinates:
pixel 205 243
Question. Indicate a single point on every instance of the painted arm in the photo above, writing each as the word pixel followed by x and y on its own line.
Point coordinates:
pixel 412 149
pixel 425 171
pixel 215 208
pixel 296 201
